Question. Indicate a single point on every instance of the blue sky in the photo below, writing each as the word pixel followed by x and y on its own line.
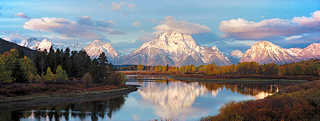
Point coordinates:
pixel 125 23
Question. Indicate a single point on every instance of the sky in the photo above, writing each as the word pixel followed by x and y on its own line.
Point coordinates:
pixel 126 24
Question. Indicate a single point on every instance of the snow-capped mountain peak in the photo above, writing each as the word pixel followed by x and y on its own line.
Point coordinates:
pixel 31 43
pixel 266 52
pixel 96 47
pixel 45 44
pixel 174 48
pixel 35 44
pixel 310 52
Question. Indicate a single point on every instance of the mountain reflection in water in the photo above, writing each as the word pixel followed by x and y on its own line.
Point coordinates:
pixel 155 99
pixel 176 98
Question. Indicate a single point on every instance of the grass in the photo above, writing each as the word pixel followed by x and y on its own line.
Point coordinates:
pixel 299 102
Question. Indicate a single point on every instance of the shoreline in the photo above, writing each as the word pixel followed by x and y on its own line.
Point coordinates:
pixel 25 102
pixel 200 77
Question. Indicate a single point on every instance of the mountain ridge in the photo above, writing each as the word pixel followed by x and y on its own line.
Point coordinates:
pixel 174 48
pixel 264 52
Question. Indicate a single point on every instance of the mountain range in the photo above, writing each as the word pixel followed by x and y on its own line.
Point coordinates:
pixel 266 52
pixel 35 44
pixel 96 47
pixel 174 48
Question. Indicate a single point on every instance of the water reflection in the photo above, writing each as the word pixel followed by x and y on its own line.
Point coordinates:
pixel 155 99
pixel 176 99
pixel 172 100
pixel 93 111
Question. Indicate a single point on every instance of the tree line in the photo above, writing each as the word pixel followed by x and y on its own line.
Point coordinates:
pixel 55 65
pixel 309 67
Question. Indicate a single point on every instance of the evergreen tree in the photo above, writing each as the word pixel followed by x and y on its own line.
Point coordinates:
pixel 5 75
pixel 61 75
pixel 28 68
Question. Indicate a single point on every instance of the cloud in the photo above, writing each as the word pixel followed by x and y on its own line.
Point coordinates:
pixel 244 29
pixel 12 37
pixel 84 27
pixel 132 6
pixel 294 37
pixel 236 53
pixel 171 24
pixel 120 5
pixel 22 15
pixel 136 24
pixel 117 6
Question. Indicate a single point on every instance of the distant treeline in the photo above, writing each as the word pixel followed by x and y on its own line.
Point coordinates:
pixel 55 65
pixel 310 67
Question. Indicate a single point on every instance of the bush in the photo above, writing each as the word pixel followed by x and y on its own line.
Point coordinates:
pixel 49 76
pixel 117 79
pixel 301 103
pixel 87 78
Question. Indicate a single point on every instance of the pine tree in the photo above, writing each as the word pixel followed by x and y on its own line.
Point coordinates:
pixel 61 75
pixel 5 75
pixel 28 68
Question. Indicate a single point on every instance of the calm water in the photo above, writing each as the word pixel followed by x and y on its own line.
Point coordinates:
pixel 156 99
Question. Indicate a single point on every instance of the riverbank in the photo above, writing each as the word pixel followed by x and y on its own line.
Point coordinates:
pixel 296 103
pixel 62 96
pixel 219 78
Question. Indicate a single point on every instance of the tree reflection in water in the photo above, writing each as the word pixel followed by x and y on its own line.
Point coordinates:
pixel 88 110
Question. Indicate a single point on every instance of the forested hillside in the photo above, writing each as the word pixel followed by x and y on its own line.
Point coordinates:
pixel 6 46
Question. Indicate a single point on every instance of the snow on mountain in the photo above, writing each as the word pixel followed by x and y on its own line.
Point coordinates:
pixel 31 43
pixel 35 44
pixel 174 48
pixel 96 47
pixel 310 52
pixel 266 52
pixel 294 51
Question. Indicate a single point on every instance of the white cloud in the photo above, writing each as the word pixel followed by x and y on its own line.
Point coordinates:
pixel 136 24
pixel 244 29
pixel 293 37
pixel 22 15
pixel 171 24
pixel 84 27
pixel 236 53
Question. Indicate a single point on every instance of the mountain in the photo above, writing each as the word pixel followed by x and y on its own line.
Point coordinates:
pixel 310 52
pixel 294 51
pixel 174 48
pixel 96 47
pixel 35 44
pixel 266 52
pixel 6 46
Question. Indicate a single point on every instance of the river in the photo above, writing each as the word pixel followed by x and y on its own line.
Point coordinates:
pixel 158 98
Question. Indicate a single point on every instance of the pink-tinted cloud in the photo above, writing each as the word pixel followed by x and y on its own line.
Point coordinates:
pixel 136 24
pixel 85 27
pixel 118 6
pixel 236 53
pixel 171 24
pixel 244 29
pixel 22 15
